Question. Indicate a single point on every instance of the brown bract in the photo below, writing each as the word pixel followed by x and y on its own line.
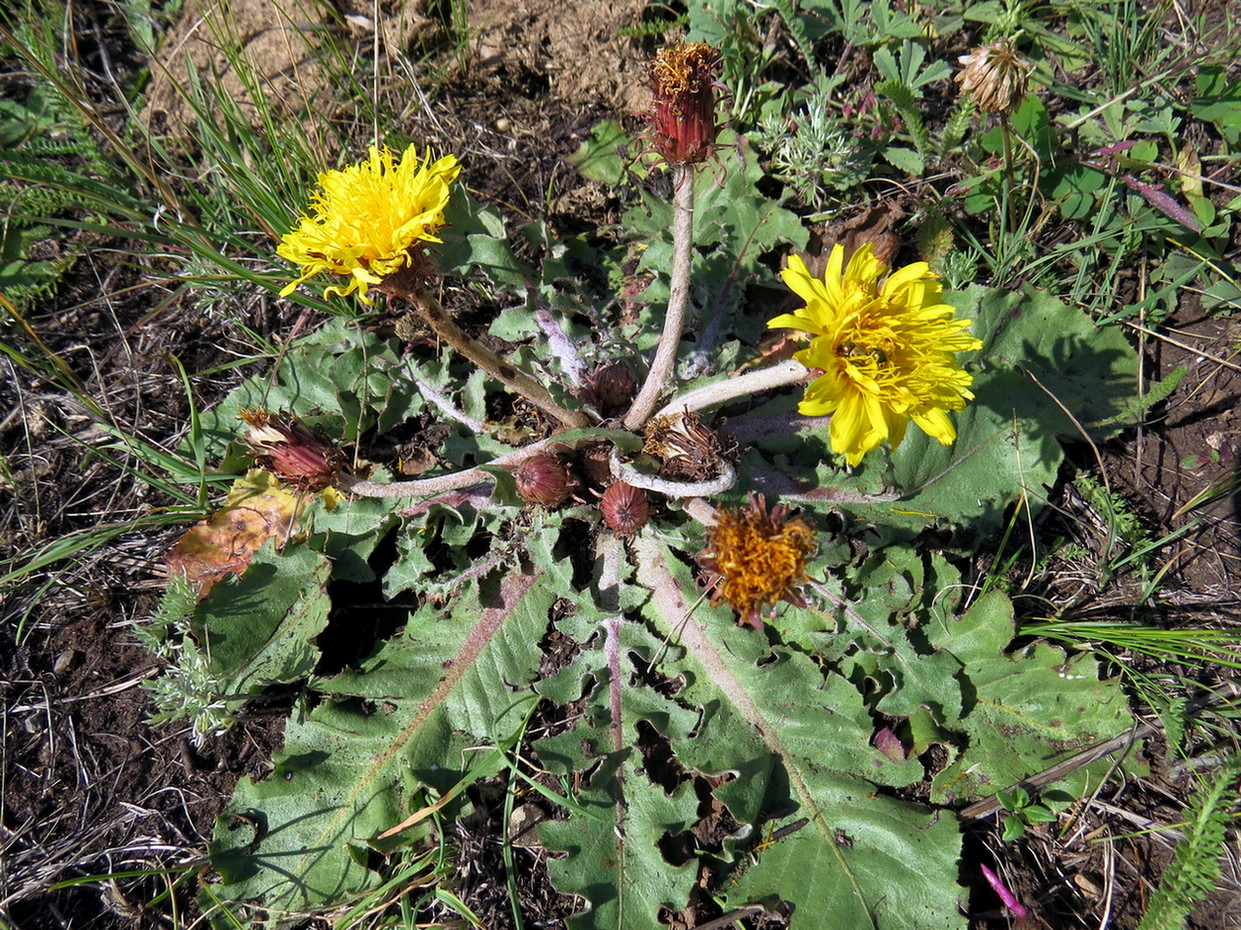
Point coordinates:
pixel 682 118
pixel 756 558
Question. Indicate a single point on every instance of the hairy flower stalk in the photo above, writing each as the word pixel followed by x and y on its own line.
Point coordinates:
pixel 682 122
pixel 513 378
pixel 886 345
pixel 664 363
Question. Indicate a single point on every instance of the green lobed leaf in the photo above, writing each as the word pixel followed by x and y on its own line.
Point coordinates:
pixel 259 629
pixel 797 740
pixel 1043 706
pixel 356 765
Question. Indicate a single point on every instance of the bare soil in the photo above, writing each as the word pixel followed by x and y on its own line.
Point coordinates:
pixel 90 788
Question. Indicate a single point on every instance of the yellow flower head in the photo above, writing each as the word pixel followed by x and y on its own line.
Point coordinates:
pixel 368 218
pixel 756 558
pixel 887 349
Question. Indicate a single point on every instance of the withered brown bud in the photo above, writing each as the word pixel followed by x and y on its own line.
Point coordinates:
pixel 610 389
pixel 686 447
pixel 994 77
pixel 288 448
pixel 545 479
pixel 625 508
pixel 682 117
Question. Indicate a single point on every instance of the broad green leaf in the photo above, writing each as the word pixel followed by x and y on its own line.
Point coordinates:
pixel 797 738
pixel 601 157
pixel 259 629
pixel 352 767
pixel 1045 707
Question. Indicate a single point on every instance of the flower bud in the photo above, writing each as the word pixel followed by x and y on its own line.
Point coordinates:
pixel 285 446
pixel 682 117
pixel 610 389
pixel 625 508
pixel 545 479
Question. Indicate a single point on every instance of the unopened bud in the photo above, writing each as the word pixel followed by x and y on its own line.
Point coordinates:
pixel 625 508
pixel 610 389
pixel 546 480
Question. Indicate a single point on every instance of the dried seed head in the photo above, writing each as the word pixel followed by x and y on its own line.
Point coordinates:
pixel 625 508
pixel 994 77
pixel 546 480
pixel 287 447
pixel 687 449
pixel 610 389
pixel 682 118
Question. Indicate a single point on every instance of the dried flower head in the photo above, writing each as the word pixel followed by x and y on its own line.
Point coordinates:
pixel 994 77
pixel 545 479
pixel 682 118
pixel 687 449
pixel 886 345
pixel 287 447
pixel 370 219
pixel 625 508
pixel 757 558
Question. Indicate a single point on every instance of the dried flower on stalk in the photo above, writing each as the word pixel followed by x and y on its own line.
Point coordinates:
pixel 682 118
pixel 287 447
pixel 994 77
pixel 886 345
pixel 545 479
pixel 757 558
pixel 625 508
pixel 370 219
pixel 687 449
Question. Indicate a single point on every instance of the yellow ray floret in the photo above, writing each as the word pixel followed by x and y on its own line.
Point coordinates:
pixel 887 349
pixel 367 217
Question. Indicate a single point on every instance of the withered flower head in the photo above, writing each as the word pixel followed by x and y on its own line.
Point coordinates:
pixel 682 117
pixel 545 479
pixel 994 77
pixel 625 508
pixel 687 449
pixel 757 558
pixel 287 447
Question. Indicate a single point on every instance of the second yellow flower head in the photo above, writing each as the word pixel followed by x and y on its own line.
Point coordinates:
pixel 886 346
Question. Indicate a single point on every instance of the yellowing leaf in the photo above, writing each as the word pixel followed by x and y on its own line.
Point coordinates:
pixel 257 509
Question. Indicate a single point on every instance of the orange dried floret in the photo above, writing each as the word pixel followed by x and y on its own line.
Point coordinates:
pixel 756 558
